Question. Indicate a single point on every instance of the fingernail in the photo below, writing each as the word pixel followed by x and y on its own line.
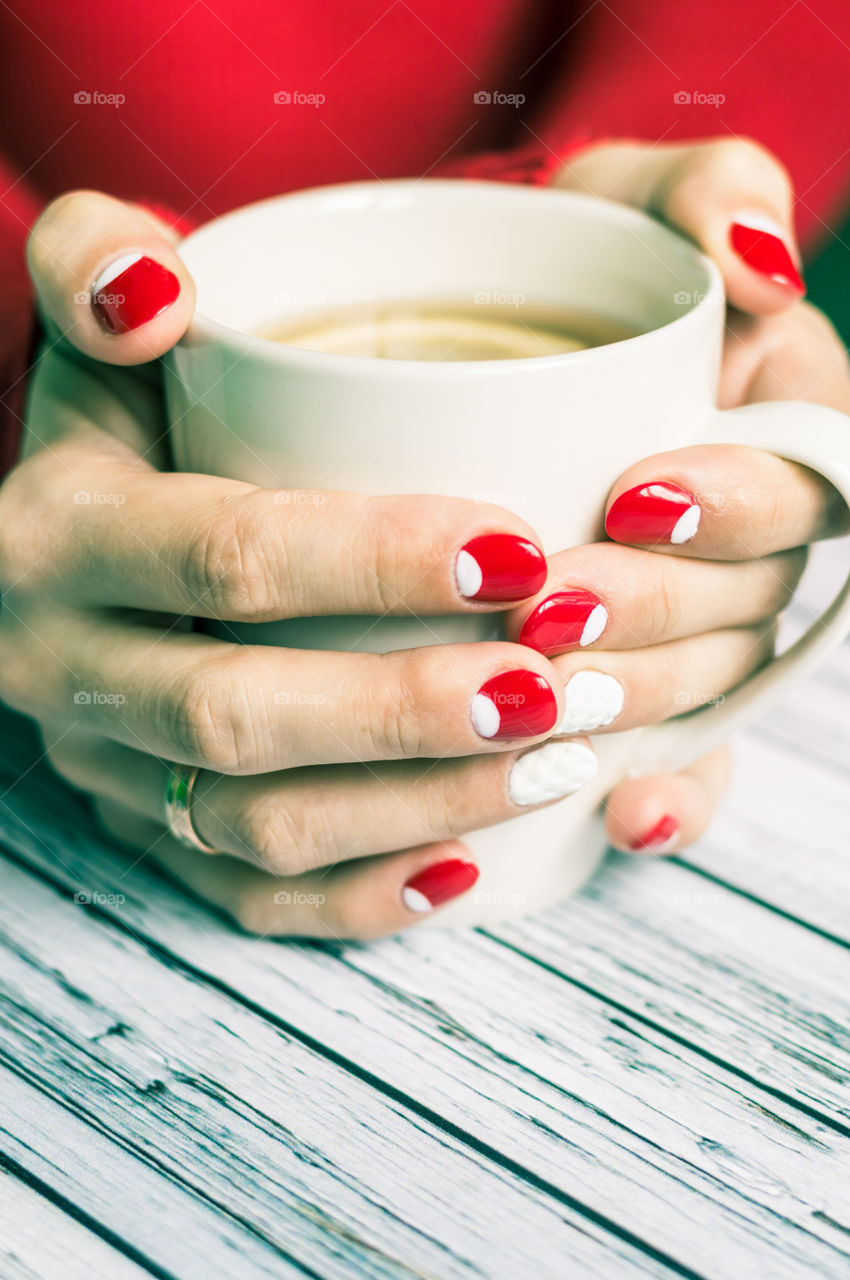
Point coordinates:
pixel 132 290
pixel 552 771
pixel 500 566
pixel 759 242
pixel 515 704
pixel 563 621
pixel 591 699
pixel 437 884
pixel 653 513
pixel 662 836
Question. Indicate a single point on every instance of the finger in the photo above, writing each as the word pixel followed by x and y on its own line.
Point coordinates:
pixel 360 900
pixel 723 502
pixel 793 356
pixel 666 812
pixel 604 596
pixel 731 196
pixel 217 548
pixel 622 690
pixel 250 708
pixel 109 279
pixel 294 821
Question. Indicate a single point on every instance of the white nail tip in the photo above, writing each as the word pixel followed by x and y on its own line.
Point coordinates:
pixel 415 901
pixel 468 575
pixel 591 699
pixel 485 716
pixel 760 222
pixel 596 623
pixel 551 772
pixel 114 270
pixel 686 526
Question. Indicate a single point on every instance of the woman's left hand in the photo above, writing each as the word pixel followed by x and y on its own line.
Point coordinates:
pixel 732 524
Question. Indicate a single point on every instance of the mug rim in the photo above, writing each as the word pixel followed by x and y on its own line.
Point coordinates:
pixel 204 328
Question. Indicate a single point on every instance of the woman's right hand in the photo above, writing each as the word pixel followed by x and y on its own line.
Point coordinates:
pixel 106 556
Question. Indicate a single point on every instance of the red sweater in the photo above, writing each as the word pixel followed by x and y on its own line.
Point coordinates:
pixel 203 106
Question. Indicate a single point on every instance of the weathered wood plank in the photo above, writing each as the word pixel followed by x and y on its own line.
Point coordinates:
pixel 39 1241
pixel 222 1104
pixel 710 967
pixel 647 1133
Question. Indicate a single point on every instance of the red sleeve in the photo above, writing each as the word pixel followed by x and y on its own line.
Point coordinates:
pixel 19 208
pixel 666 72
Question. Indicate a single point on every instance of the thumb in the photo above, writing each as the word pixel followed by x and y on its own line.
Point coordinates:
pixel 108 277
pixel 731 196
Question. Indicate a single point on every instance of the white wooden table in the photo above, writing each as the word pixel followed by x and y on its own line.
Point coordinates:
pixel 649 1081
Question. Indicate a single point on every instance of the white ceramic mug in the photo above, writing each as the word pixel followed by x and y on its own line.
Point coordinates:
pixel 545 437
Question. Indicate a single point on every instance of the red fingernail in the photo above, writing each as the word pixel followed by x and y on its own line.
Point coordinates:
pixel 767 254
pixel 437 884
pixel 132 291
pixel 515 704
pixel 653 513
pixel 662 836
pixel 500 566
pixel 566 620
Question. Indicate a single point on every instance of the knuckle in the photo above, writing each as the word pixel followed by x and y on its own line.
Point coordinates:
pixel 227 564
pixel 255 911
pixel 279 834
pixel 394 701
pixel 208 718
pixel 33 518
pixel 350 914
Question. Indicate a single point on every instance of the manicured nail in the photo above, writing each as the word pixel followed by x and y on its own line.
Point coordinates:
pixel 499 566
pixel 437 884
pixel 515 704
pixel 132 290
pixel 662 836
pixel 653 513
pixel 592 699
pixel 759 242
pixel 551 772
pixel 564 621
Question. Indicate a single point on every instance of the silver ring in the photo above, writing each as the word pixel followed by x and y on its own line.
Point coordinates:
pixel 179 787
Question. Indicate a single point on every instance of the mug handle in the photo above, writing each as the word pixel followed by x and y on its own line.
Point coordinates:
pixel 820 439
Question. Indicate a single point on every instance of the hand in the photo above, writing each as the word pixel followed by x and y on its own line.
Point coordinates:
pixel 313 763
pixel 687 625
